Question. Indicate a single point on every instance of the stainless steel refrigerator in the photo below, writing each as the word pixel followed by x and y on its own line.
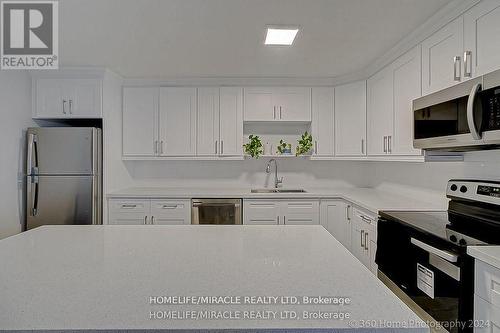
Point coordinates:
pixel 64 176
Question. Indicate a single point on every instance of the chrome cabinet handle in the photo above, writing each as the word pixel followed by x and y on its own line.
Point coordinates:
pixel 316 147
pixel 284 219
pixel 385 144
pixel 362 146
pixel 128 206
pixel 169 206
pixel 222 147
pixel 366 241
pixel 274 112
pixel 278 219
pixel 468 64
pixel 64 106
pixel 152 220
pixel 365 219
pixel 389 144
pixel 161 147
pixel 155 146
pixel 70 106
pixel 216 142
pixel 347 212
pixel 456 73
pixel 146 219
pixel 361 242
pixel 280 113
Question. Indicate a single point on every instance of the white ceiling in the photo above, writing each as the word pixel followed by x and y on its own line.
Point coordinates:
pixel 225 38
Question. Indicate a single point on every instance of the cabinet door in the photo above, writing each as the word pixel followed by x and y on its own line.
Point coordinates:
pixel 128 211
pixel 170 212
pixel 261 212
pixel 207 140
pixel 322 121
pixel 334 216
pixel 438 52
pixel 86 98
pixel 259 104
pixel 177 121
pixel 350 119
pixel 300 212
pixel 373 252
pixel 140 121
pixel 231 121
pixel 481 31
pixel 357 237
pixel 486 316
pixel 407 86
pixel 49 99
pixel 293 104
pixel 380 112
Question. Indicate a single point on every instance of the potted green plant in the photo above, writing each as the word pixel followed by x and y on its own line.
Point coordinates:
pixel 305 144
pixel 254 147
pixel 284 148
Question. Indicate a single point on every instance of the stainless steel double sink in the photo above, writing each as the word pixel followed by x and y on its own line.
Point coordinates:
pixel 278 190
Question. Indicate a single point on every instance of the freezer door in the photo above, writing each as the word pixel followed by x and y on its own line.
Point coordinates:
pixel 63 151
pixel 62 200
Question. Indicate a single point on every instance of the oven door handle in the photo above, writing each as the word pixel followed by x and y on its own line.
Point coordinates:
pixel 449 256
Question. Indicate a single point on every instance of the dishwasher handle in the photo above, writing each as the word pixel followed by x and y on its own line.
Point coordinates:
pixel 447 255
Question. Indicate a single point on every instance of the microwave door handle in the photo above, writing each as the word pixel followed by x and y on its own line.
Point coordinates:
pixel 449 256
pixel 470 112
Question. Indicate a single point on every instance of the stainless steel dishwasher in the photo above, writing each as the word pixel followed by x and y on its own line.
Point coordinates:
pixel 216 211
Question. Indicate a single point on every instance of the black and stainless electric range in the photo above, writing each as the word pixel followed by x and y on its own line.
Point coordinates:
pixel 422 257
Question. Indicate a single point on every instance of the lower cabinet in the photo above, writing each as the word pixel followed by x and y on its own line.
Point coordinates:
pixel 285 212
pixel 335 218
pixel 486 297
pixel 364 238
pixel 149 211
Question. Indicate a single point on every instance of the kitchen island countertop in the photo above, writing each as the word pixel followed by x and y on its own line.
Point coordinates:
pixel 115 277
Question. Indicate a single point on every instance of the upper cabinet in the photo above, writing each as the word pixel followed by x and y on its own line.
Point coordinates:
pixel 481 31
pixel 177 121
pixel 390 116
pixel 350 119
pixel 322 127
pixel 277 104
pixel 442 58
pixel 140 121
pixel 61 98
pixel 220 121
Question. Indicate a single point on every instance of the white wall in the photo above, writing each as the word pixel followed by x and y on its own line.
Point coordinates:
pixel 15 115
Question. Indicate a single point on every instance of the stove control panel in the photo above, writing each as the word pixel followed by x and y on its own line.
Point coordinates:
pixel 475 190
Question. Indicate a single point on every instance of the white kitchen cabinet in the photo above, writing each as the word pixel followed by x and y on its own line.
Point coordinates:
pixel 363 237
pixel 335 217
pixel 283 212
pixel 58 98
pixel 140 124
pixel 133 211
pixel 380 112
pixel 486 316
pixel 350 119
pixel 277 104
pixel 208 121
pixel 486 297
pixel 261 212
pixel 231 121
pixel 407 85
pixel 481 31
pixel 442 57
pixel 177 120
pixel 322 127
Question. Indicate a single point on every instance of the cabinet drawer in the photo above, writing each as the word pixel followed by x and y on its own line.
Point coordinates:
pixel 487 283
pixel 486 316
pixel 260 212
pixel 170 208
pixel 128 206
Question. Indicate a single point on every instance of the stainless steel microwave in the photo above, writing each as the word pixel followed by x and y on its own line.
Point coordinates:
pixel 460 118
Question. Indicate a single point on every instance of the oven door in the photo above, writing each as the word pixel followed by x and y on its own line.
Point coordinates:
pixel 216 211
pixel 436 282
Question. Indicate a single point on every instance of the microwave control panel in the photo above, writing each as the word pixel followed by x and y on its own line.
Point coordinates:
pixel 491 108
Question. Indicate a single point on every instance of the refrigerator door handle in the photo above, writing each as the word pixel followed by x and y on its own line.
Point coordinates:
pixel 32 158
pixel 33 195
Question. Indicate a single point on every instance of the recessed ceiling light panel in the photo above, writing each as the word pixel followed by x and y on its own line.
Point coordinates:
pixel 280 36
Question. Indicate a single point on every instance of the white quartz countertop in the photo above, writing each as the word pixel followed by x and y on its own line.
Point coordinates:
pixel 371 199
pixel 103 277
pixel 487 254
